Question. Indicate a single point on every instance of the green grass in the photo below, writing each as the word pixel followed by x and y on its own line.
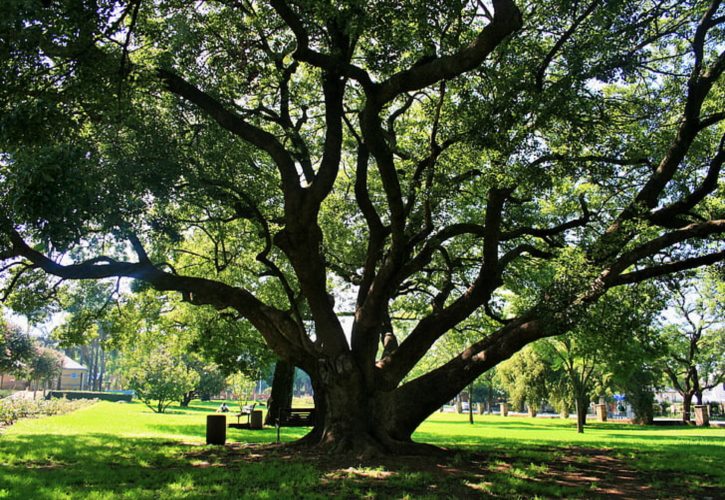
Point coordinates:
pixel 116 450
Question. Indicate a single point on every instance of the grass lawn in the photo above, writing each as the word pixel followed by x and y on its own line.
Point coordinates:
pixel 113 450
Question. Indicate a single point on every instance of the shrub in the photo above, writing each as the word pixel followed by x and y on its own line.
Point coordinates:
pixel 12 410
pixel 103 396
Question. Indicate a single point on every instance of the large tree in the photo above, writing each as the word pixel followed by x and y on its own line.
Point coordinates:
pixel 694 360
pixel 439 161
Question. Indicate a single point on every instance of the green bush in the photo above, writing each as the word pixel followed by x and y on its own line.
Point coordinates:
pixel 103 396
pixel 11 410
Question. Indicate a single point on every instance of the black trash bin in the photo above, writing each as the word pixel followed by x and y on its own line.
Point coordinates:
pixel 216 429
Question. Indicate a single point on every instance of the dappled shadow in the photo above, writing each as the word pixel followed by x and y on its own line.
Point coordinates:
pixel 46 466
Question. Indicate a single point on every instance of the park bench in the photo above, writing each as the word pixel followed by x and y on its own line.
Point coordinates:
pixel 294 417
pixel 246 411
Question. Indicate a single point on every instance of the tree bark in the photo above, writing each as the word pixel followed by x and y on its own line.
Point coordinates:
pixel 686 405
pixel 282 385
pixel 353 417
pixel 582 403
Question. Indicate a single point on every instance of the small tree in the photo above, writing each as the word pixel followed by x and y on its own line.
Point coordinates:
pixel 524 379
pixel 16 350
pixel 158 378
pixel 487 388
pixel 639 383
pixel 211 380
pixel 45 366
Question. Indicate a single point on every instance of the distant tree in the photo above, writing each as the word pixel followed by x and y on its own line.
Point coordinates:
pixel 639 381
pixel 211 380
pixel 16 350
pixel 45 367
pixel 595 354
pixel 579 371
pixel 243 386
pixel 695 357
pixel 158 377
pixel 91 326
pixel 524 378
pixel 487 389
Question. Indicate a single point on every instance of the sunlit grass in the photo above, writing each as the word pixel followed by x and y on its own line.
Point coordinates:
pixel 121 450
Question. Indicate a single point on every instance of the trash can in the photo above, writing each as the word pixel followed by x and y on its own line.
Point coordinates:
pixel 255 419
pixel 216 429
pixel 601 412
pixel 702 417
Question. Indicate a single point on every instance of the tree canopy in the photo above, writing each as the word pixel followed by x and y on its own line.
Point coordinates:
pixel 498 164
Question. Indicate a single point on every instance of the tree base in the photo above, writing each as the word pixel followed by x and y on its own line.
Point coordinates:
pixel 364 446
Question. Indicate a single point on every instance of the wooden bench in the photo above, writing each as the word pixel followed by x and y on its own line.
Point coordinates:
pixel 294 417
pixel 246 411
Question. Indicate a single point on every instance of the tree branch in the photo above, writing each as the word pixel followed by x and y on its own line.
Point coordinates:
pixel 669 216
pixel 305 54
pixel 238 126
pixel 551 231
pixel 669 268
pixel 506 20
pixel 700 230
pixel 430 328
pixel 278 329
pixel 540 73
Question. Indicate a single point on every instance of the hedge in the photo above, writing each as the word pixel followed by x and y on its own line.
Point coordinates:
pixel 103 396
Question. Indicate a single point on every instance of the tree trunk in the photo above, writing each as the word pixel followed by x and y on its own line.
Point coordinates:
pixel 348 423
pixel 582 404
pixel 102 373
pixel 187 399
pixel 351 417
pixel 470 404
pixel 281 395
pixel 686 405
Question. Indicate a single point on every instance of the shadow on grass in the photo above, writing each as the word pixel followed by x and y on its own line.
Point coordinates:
pixel 46 466
pixel 101 466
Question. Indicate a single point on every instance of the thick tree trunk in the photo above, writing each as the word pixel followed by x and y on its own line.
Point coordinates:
pixel 281 395
pixel 353 418
pixel 349 422
pixel 686 406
